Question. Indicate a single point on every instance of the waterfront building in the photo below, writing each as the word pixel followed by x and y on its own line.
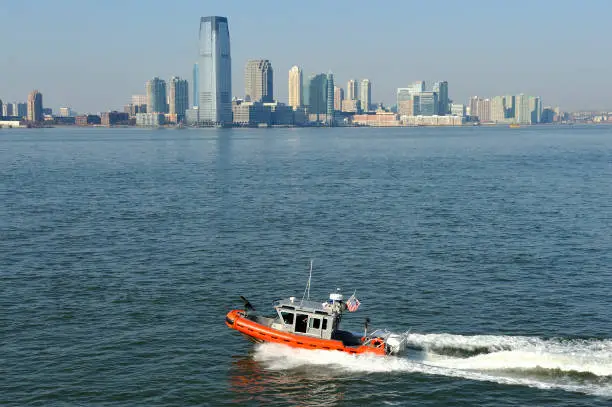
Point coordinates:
pixel 295 87
pixel 338 98
pixel 7 109
pixel 195 85
pixel 351 105
pixel 510 102
pixel 35 107
pixel 156 96
pixel 330 98
pixel 458 109
pixel 535 107
pixel 523 113
pixel 153 119
pixel 428 103
pixel 481 108
pixel 498 109
pixel 259 81
pixel 247 113
pixel 352 90
pixel 317 94
pixel 441 88
pixel 215 72
pixel 366 95
pixel 404 102
pixel 2 109
pixel 178 98
pixel 379 119
pixel 114 118
pixel 87 120
pixel 280 114
pixel 65 112
pixel 21 109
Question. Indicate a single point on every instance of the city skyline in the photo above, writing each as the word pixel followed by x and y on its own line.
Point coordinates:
pixel 516 64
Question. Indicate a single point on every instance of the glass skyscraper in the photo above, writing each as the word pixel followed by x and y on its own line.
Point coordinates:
pixel 215 72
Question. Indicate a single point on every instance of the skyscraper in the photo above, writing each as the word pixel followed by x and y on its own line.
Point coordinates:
pixel 2 109
pixel 178 98
pixel 195 85
pixel 535 107
pixel 295 87
pixel 215 72
pixel 330 98
pixel 441 88
pixel 523 114
pixel 404 102
pixel 156 96
pixel 352 91
pixel 317 94
pixel 259 81
pixel 35 106
pixel 366 95
pixel 338 97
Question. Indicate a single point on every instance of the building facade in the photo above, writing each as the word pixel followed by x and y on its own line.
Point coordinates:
pixel 317 94
pixel 259 81
pixel 366 95
pixel 178 98
pixel 338 98
pixel 35 107
pixel 295 87
pixel 330 99
pixel 156 96
pixel 352 90
pixel 215 72
pixel 441 88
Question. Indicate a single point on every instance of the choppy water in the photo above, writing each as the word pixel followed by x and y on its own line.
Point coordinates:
pixel 122 249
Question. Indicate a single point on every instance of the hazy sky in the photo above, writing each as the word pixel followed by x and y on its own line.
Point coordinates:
pixel 93 55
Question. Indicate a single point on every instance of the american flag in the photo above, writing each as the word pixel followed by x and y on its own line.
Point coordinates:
pixel 352 303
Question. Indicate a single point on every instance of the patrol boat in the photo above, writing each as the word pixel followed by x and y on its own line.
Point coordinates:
pixel 313 325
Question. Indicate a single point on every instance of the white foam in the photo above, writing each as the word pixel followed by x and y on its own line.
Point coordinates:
pixel 512 360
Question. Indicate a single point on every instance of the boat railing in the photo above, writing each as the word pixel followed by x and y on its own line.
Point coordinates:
pixel 379 333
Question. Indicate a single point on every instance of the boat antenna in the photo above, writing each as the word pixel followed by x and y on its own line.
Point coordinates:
pixel 307 290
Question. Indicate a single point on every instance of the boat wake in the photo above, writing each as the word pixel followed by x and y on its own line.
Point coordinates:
pixel 583 366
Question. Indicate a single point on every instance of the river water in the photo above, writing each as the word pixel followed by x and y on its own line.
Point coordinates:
pixel 121 251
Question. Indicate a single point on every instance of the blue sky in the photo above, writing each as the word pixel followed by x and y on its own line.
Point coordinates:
pixel 93 55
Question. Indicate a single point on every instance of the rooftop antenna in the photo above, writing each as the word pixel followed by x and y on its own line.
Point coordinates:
pixel 307 290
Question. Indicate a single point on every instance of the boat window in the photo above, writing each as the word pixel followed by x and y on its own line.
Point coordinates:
pixel 324 324
pixel 301 323
pixel 315 323
pixel 287 318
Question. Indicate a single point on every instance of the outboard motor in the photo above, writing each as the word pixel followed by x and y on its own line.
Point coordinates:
pixel 396 343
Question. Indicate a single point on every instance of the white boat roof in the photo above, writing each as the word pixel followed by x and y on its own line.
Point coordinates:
pixel 303 305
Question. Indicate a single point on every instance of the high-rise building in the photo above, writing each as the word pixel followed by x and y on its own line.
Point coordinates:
pixel 35 106
pixel 2 109
pixel 535 107
pixel 352 90
pixel 366 95
pixel 317 94
pixel 330 98
pixel 441 88
pixel 417 87
pixel 404 102
pixel 457 109
pixel 498 109
pixel 195 85
pixel 178 98
pixel 523 114
pixel 510 103
pixel 156 96
pixel 65 112
pixel 259 81
pixel 427 103
pixel 20 109
pixel 295 87
pixel 215 72
pixel 338 97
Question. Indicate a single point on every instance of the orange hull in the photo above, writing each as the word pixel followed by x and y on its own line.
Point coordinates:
pixel 235 319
